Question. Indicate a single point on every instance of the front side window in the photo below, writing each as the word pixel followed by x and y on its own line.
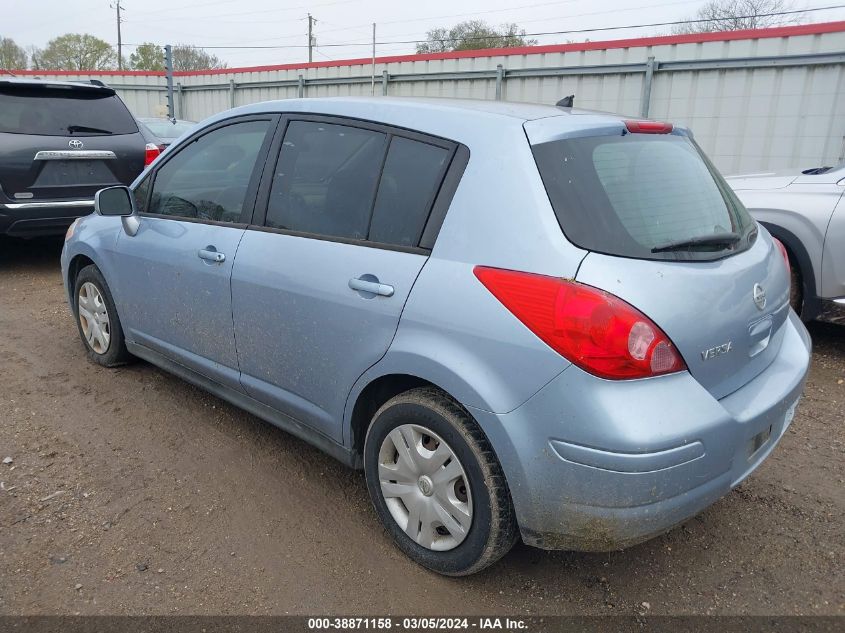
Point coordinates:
pixel 642 196
pixel 208 179
pixel 325 180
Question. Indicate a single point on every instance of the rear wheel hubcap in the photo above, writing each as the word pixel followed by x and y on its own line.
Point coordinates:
pixel 425 487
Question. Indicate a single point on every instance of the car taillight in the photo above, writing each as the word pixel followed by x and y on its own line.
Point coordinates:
pixel 589 327
pixel 649 127
pixel 152 150
pixel 783 253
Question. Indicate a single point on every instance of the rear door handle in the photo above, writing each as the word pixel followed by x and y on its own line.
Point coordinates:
pixel 373 287
pixel 210 255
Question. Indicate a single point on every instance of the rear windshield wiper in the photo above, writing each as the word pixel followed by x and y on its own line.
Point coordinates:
pixel 85 128
pixel 715 239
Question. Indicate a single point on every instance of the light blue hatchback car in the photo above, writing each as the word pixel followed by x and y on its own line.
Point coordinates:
pixel 519 320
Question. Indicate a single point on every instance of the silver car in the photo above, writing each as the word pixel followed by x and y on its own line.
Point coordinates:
pixel 518 320
pixel 805 211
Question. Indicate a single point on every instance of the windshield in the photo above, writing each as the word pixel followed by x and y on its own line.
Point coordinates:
pixel 167 129
pixel 57 111
pixel 643 196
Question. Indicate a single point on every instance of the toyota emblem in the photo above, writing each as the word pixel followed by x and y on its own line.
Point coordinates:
pixel 75 144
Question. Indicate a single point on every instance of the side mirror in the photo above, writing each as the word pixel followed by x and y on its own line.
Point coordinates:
pixel 118 201
pixel 114 201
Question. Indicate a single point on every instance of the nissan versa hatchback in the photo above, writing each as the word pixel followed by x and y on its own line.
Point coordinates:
pixel 520 321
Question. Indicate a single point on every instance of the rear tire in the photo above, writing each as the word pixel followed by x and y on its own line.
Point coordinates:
pixel 466 517
pixel 97 320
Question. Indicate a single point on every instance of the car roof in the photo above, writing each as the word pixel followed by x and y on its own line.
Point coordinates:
pixel 463 120
pixel 455 107
pixel 156 119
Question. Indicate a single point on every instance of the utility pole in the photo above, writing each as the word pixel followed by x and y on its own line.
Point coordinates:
pixel 311 22
pixel 116 6
pixel 373 83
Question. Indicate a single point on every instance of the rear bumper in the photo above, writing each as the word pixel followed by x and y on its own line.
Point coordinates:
pixel 598 465
pixel 43 217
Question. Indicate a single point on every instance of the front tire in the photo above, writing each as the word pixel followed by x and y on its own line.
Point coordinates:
pixel 436 484
pixel 97 320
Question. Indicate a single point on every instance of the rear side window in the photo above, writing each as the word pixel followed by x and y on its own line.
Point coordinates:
pixel 410 180
pixel 326 179
pixel 208 179
pixel 635 195
pixel 63 112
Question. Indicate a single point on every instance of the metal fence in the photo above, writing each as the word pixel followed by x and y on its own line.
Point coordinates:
pixel 756 100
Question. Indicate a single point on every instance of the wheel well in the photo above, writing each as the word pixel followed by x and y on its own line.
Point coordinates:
pixel 76 264
pixel 373 397
pixel 799 259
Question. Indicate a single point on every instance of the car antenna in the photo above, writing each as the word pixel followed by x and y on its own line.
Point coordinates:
pixel 566 102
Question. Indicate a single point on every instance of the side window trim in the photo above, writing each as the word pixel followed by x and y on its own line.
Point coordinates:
pixel 439 203
pixel 149 180
pixel 387 143
pixel 443 199
pixel 248 211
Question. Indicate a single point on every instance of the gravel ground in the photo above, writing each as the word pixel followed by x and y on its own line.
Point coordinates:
pixel 131 492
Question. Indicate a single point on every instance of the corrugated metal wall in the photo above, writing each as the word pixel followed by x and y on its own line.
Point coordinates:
pixel 753 104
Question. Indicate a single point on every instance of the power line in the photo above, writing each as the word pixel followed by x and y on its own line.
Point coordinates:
pixel 580 15
pixel 209 18
pixel 542 33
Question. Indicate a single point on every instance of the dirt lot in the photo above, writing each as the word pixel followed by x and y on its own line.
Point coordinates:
pixel 132 492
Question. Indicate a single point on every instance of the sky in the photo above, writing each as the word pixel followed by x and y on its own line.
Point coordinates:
pixel 343 28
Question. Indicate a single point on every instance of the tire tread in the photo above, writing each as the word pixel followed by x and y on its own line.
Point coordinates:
pixel 504 530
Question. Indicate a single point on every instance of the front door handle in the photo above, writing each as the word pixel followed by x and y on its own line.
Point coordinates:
pixel 374 287
pixel 211 255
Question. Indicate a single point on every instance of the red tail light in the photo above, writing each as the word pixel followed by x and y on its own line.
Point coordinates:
pixel 649 127
pixel 152 150
pixel 783 252
pixel 591 328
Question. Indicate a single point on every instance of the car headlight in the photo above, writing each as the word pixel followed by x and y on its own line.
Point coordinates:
pixel 71 229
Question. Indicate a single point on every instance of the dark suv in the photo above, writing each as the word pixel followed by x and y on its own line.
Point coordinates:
pixel 59 143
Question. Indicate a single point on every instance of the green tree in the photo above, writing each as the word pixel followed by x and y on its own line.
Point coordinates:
pixel 75 51
pixel 471 35
pixel 147 56
pixel 186 57
pixel 12 56
pixel 737 15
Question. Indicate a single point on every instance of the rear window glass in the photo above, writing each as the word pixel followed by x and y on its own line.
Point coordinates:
pixel 63 112
pixel 167 129
pixel 642 196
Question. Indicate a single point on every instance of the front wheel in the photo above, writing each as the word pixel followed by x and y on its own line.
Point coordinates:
pixel 97 321
pixel 436 484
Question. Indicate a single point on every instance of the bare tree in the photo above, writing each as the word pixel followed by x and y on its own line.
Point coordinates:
pixel 186 57
pixel 737 15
